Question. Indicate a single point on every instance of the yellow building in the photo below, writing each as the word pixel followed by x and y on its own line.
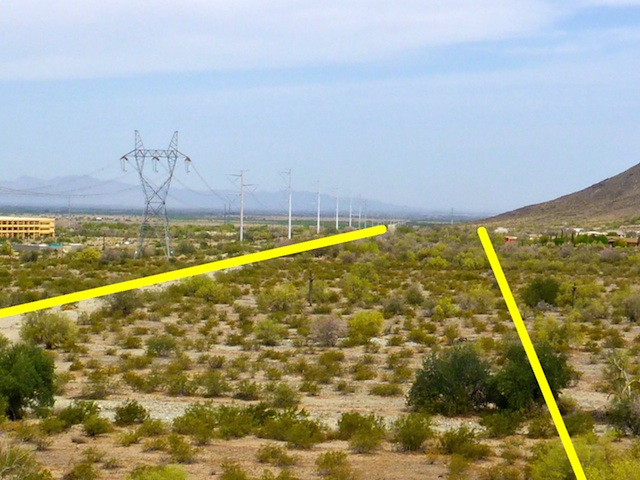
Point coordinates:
pixel 27 227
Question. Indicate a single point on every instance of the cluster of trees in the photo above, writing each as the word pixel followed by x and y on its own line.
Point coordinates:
pixel 458 381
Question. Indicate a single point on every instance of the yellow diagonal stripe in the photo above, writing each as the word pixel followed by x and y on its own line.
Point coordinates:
pixel 531 354
pixel 196 270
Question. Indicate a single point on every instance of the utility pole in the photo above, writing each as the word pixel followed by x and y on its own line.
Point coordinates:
pixel 242 187
pixel 365 214
pixel 337 211
pixel 359 211
pixel 318 220
pixel 290 203
pixel 350 210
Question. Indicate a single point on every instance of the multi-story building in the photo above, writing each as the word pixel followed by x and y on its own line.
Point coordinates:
pixel 27 227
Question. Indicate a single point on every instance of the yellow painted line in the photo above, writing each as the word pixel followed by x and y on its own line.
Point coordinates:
pixel 191 271
pixel 531 354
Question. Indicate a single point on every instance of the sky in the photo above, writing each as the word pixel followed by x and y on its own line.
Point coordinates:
pixel 475 105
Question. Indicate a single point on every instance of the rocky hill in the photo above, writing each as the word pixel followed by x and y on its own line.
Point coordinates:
pixel 613 201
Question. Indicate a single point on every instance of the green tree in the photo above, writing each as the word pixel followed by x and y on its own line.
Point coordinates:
pixel 517 387
pixel 53 330
pixel 541 290
pixel 26 379
pixel 454 382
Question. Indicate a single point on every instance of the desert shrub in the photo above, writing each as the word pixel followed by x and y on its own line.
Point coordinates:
pixel 411 431
pixel 579 423
pixel 151 427
pixel 463 441
pixel 281 299
pixel 247 390
pixel 386 390
pixel 326 331
pixel 95 425
pixel 17 463
pixel 198 420
pixel 26 379
pixel 364 325
pixel 233 471
pixel 275 455
pixel 631 307
pixel 454 382
pixel 164 472
pixel 283 396
pixel 78 412
pixel 129 413
pixel 124 303
pixel 161 345
pixel 502 472
pixel 179 449
pixel 364 432
pixel 600 459
pixel 269 332
pixel 414 295
pixel 516 384
pixel 81 471
pixel 624 415
pixel 502 423
pixel 541 290
pixel 293 427
pixel 334 465
pixel 541 426
pixel 52 425
pixel 52 330
pixel 214 384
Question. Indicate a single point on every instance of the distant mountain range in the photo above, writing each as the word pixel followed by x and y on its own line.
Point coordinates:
pixel 85 192
pixel 615 200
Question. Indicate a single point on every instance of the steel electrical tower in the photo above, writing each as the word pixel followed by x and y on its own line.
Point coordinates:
pixel 155 222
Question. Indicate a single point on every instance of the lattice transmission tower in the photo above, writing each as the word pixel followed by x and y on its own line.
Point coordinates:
pixel 155 221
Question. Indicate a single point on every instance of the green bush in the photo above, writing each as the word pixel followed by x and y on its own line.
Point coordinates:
pixel 52 330
pixel 463 441
pixel 275 455
pixel 541 290
pixel 502 423
pixel 624 415
pixel 130 413
pixel 411 431
pixel 95 425
pixel 161 345
pixel 292 426
pixel 78 412
pixel 26 379
pixel 269 332
pixel 364 325
pixel 214 384
pixel 334 465
pixel 454 382
pixel 17 463
pixel 164 472
pixel 283 396
pixel 364 432
pixel 386 390
pixel 179 449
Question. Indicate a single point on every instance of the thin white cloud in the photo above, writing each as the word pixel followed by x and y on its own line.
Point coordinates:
pixel 93 38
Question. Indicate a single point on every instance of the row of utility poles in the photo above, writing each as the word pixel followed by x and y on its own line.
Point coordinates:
pixel 288 176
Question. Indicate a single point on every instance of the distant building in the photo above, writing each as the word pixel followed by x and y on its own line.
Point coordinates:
pixel 27 227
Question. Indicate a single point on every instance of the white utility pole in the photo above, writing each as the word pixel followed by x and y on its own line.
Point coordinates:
pixel 290 195
pixel 337 211
pixel 350 210
pixel 318 221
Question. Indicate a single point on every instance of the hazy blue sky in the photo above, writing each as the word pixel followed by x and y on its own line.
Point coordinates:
pixel 477 105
